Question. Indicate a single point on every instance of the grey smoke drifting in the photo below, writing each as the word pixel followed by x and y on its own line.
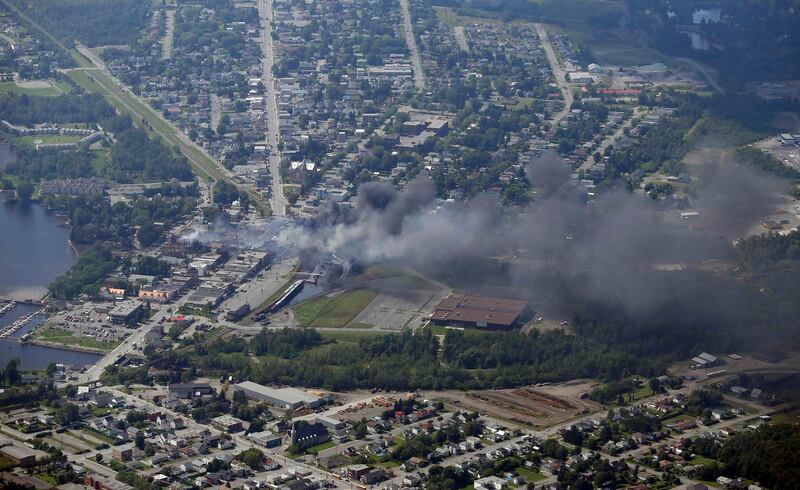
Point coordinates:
pixel 558 247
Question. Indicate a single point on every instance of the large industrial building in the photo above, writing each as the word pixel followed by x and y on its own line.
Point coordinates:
pixel 288 398
pixel 480 311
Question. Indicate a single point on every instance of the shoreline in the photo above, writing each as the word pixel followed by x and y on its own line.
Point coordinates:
pixel 76 348
pixel 73 247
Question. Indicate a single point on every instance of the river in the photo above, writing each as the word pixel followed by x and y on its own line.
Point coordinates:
pixel 33 251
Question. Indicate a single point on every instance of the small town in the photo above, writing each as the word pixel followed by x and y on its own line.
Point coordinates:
pixel 397 245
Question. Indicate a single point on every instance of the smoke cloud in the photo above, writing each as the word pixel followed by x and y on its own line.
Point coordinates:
pixel 623 249
pixel 556 250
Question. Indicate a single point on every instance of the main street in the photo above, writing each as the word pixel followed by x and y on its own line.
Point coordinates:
pixel 277 200
pixel 134 340
pixel 416 60
pixel 558 73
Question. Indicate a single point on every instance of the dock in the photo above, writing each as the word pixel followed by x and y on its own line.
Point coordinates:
pixel 33 302
pixel 8 330
pixel 7 307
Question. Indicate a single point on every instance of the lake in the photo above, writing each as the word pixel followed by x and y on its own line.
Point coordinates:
pixel 33 251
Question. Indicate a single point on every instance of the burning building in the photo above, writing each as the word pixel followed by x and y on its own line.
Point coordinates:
pixel 480 311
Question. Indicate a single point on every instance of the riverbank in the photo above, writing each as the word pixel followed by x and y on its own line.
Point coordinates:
pixel 63 339
pixel 70 347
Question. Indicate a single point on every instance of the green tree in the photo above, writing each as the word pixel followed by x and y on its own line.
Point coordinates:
pixel 251 457
pixel 25 191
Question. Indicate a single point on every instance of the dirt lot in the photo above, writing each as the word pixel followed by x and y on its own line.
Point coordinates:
pixel 538 406
pixel 747 364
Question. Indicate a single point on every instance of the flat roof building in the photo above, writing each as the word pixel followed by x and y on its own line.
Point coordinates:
pixel 288 398
pixel 480 311
pixel 126 312
pixel 19 455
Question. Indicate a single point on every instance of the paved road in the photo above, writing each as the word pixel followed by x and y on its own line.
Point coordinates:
pixel 416 60
pixel 558 74
pixel 169 35
pixel 459 32
pixel 136 339
pixel 589 162
pixel 277 200
pixel 216 112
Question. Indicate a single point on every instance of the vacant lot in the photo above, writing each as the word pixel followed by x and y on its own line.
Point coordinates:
pixel 36 87
pixel 333 311
pixel 538 406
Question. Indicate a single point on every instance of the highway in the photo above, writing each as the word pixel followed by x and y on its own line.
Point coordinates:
pixel 558 73
pixel 277 200
pixel 416 60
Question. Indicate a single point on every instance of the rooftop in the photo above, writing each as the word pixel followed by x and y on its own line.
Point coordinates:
pixel 479 309
pixel 289 395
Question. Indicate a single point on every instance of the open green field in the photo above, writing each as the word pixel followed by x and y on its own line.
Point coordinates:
pixel 450 17
pixel 333 311
pixel 49 139
pixel 58 336
pixel 13 88
pixel 684 417
pixel 702 460
pixel 530 475
pixel 320 447
pixel 87 82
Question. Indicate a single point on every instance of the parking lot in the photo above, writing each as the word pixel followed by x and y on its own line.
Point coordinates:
pixel 87 322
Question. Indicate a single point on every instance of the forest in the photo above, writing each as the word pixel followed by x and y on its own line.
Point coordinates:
pixel 26 110
pixel 93 22
pixel 402 361
pixel 86 275
pixel 133 155
pixel 93 218
pixel 767 455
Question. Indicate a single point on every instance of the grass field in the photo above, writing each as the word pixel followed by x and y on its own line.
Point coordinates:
pixel 320 447
pixel 13 88
pixel 702 460
pixel 530 475
pixel 49 139
pixel 677 418
pixel 333 311
pixel 58 336
pixel 86 81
